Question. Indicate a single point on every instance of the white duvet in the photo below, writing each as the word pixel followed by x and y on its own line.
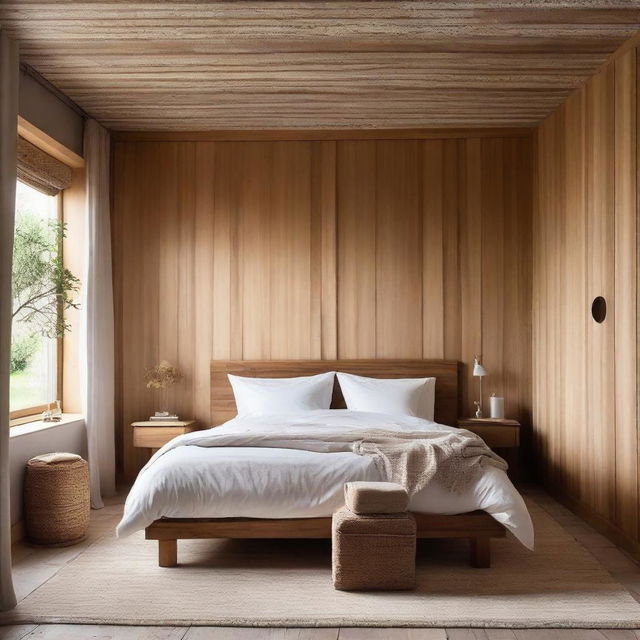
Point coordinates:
pixel 184 480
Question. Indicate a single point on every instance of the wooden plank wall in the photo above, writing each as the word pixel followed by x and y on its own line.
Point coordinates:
pixel 585 385
pixel 320 249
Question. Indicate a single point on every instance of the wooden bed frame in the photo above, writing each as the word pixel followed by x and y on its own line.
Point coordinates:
pixel 478 526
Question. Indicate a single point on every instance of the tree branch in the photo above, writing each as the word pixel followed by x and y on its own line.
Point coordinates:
pixel 33 299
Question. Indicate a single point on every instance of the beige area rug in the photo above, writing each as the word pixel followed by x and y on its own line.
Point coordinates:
pixel 288 583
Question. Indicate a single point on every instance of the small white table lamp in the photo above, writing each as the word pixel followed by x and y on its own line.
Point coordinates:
pixel 478 372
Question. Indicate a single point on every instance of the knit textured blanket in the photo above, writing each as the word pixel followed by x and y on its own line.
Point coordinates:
pixel 411 458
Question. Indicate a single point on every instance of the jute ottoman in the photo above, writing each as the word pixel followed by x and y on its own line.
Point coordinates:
pixel 373 551
pixel 56 499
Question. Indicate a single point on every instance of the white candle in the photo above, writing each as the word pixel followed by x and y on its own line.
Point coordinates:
pixel 496 407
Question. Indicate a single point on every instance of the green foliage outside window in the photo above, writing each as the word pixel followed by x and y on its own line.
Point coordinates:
pixel 23 348
pixel 42 288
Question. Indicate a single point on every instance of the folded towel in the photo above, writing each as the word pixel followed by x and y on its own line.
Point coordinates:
pixel 375 497
pixel 52 458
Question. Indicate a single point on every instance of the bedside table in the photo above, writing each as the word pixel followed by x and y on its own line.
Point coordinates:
pixel 153 434
pixel 497 433
pixel 501 435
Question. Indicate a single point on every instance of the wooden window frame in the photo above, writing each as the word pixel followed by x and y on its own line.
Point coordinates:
pixel 46 143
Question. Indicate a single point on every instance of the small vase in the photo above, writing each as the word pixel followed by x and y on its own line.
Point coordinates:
pixel 164 403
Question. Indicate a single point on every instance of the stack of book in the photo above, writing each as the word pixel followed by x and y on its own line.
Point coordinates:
pixel 163 417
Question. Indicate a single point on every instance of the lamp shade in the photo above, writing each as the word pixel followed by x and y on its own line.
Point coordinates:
pixel 478 370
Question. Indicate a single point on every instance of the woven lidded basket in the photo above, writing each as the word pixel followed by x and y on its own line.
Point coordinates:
pixel 56 499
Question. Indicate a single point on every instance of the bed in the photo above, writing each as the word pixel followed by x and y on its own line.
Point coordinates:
pixel 242 505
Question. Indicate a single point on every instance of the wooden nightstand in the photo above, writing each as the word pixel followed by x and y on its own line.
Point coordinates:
pixel 501 435
pixel 497 433
pixel 153 434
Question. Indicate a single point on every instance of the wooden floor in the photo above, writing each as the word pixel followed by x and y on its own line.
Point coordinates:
pixel 33 567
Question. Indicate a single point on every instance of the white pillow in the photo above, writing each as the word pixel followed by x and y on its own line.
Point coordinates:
pixel 397 396
pixel 269 396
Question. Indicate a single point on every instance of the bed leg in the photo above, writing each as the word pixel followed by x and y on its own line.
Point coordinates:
pixel 480 552
pixel 167 553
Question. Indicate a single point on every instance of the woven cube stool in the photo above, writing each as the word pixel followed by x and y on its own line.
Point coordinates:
pixel 56 499
pixel 373 552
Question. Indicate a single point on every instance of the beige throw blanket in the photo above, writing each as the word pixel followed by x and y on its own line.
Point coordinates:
pixel 410 458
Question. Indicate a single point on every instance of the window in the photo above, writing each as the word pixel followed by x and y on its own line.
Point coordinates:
pixel 37 305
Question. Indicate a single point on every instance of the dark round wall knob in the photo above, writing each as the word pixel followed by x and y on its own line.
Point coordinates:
pixel 599 309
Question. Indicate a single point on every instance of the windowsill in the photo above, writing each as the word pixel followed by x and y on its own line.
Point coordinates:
pixel 38 425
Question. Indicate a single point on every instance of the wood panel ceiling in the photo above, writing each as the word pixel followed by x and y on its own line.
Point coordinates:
pixel 318 64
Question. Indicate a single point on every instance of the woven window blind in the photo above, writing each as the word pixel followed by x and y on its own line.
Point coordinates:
pixel 40 170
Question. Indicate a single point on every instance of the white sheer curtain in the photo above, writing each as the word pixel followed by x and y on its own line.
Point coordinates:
pixel 98 365
pixel 8 135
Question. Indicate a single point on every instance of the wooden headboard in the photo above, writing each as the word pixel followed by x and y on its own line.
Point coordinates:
pixel 223 405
